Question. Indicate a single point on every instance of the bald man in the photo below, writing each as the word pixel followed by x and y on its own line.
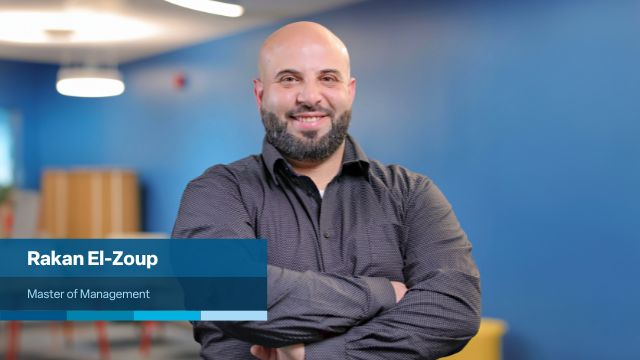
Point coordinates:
pixel 367 261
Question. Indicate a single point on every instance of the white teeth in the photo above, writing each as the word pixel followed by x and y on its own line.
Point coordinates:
pixel 309 119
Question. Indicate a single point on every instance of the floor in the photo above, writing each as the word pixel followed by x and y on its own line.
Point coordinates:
pixel 47 341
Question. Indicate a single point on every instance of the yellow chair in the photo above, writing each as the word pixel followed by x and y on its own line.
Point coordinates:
pixel 486 345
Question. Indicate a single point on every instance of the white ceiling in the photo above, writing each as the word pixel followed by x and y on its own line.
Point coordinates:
pixel 177 27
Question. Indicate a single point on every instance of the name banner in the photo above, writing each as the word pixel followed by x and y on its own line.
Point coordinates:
pixel 133 279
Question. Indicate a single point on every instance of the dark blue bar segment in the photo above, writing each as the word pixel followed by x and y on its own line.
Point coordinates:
pixel 33 315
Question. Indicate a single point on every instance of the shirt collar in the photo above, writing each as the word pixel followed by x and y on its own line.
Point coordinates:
pixel 354 160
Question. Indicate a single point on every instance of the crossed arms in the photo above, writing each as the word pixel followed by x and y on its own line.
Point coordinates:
pixel 342 317
pixel 306 307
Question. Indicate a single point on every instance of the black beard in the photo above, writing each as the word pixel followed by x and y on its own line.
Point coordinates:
pixel 311 148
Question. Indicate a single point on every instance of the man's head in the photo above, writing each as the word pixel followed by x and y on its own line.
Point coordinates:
pixel 304 91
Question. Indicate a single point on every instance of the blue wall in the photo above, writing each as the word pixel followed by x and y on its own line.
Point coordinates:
pixel 525 114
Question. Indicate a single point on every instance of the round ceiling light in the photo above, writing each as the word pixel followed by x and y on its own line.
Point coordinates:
pixel 70 27
pixel 89 82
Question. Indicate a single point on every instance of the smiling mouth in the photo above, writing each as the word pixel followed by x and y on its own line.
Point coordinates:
pixel 308 118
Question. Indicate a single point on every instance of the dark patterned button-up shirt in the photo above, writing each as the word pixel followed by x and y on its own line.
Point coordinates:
pixel 373 221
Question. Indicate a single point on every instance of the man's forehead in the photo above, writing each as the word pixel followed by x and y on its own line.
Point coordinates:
pixel 303 46
pixel 306 60
pixel 303 61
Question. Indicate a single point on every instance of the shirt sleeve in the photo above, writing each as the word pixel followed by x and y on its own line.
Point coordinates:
pixel 441 310
pixel 302 306
pixel 308 306
pixel 213 342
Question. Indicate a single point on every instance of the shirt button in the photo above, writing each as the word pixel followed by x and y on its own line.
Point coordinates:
pixel 326 235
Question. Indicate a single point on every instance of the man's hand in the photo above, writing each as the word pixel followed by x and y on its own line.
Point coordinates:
pixel 263 353
pixel 400 290
pixel 292 352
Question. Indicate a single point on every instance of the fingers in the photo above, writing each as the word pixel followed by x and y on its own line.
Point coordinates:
pixel 260 352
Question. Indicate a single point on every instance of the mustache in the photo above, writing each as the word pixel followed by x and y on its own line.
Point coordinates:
pixel 309 108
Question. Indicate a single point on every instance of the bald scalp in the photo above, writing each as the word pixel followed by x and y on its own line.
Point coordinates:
pixel 299 35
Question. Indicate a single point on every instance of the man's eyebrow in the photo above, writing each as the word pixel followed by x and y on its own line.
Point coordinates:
pixel 289 72
pixel 331 71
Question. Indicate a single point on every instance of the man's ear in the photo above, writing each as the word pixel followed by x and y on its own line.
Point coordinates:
pixel 258 89
pixel 352 89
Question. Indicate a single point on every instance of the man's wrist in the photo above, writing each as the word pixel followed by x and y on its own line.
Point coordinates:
pixel 383 296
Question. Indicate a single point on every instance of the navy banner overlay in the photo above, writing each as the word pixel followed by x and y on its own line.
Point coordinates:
pixel 183 276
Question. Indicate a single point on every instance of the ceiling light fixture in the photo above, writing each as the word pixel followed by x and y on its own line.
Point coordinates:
pixel 211 7
pixel 70 27
pixel 89 82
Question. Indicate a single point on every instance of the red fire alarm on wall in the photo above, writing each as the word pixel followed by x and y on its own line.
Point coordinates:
pixel 179 81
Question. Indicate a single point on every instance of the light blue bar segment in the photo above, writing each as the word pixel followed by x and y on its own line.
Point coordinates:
pixel 166 315
pixel 100 315
pixel 233 315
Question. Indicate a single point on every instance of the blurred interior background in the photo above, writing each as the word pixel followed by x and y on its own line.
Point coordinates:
pixel 525 113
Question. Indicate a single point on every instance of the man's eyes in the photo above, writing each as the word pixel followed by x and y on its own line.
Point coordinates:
pixel 329 79
pixel 288 79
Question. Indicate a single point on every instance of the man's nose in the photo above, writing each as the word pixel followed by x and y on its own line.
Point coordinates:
pixel 309 94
